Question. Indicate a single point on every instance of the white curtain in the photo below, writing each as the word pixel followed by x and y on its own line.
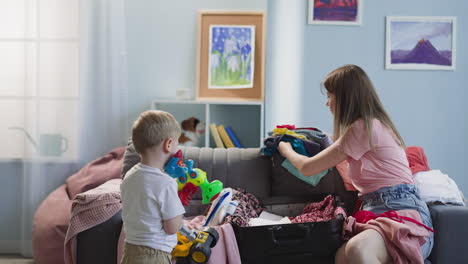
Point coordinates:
pixel 71 106
pixel 104 74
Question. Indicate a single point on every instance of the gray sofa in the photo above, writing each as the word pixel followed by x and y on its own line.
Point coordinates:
pixel 260 175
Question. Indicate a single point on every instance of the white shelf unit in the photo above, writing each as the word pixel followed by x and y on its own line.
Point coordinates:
pixel 245 118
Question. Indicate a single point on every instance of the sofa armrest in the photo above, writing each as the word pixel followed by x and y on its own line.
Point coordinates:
pixel 450 234
pixel 100 244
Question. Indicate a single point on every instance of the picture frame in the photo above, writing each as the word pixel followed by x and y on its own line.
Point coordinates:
pixel 420 43
pixel 230 55
pixel 231 61
pixel 335 12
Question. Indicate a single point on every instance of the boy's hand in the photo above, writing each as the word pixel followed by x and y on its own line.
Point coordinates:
pixel 284 148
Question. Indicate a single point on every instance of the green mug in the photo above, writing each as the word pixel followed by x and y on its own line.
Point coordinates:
pixel 52 145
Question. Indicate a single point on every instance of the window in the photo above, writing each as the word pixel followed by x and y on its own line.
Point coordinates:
pixel 39 78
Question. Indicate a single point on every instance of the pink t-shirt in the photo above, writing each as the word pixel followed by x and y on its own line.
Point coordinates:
pixel 371 170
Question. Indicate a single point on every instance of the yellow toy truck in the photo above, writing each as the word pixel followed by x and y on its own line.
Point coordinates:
pixel 194 246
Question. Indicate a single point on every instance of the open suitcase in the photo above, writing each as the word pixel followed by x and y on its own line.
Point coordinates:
pixel 314 242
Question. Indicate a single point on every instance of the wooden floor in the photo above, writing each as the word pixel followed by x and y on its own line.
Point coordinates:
pixel 14 259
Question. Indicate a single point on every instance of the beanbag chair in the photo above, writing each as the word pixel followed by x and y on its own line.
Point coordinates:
pixel 52 218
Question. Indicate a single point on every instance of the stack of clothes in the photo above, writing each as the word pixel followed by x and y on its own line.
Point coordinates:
pixel 307 141
pixel 435 186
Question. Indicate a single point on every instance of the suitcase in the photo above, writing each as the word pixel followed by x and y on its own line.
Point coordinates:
pixel 314 242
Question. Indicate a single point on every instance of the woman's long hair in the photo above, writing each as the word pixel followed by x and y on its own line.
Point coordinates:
pixel 356 99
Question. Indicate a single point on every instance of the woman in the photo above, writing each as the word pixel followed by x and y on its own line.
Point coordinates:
pixel 366 137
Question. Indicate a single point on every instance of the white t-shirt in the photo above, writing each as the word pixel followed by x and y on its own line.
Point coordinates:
pixel 149 196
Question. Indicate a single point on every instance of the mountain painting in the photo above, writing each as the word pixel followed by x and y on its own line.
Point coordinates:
pixel 420 43
pixel 339 12
pixel 231 61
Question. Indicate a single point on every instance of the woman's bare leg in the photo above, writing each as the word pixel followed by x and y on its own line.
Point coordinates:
pixel 365 247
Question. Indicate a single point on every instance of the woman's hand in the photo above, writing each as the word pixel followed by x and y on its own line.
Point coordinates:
pixel 308 166
pixel 284 148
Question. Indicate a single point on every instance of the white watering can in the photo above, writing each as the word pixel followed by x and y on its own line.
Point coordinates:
pixel 50 145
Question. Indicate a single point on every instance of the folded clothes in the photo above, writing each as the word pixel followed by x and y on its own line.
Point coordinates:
pixel 301 146
pixel 316 136
pixel 270 216
pixel 312 180
pixel 436 186
pixel 267 218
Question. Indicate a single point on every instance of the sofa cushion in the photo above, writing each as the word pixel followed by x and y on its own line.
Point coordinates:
pixel 130 158
pixel 235 167
pixel 254 175
pixel 450 234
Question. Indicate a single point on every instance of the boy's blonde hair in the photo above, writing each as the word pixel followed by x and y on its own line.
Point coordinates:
pixel 152 127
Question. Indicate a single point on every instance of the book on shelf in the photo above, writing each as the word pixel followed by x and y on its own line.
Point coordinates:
pixel 233 137
pixel 215 135
pixel 224 136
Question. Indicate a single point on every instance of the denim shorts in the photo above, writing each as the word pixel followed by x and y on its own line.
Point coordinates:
pixel 400 197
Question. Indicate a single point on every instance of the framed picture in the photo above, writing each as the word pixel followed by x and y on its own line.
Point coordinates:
pixel 420 43
pixel 335 12
pixel 230 55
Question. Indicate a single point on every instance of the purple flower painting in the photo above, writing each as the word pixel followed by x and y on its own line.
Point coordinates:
pixel 337 12
pixel 420 43
pixel 231 62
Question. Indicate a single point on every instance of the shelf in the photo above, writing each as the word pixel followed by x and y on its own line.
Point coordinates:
pixel 245 118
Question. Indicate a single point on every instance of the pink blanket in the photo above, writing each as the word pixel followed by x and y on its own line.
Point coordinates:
pixel 90 209
pixel 403 240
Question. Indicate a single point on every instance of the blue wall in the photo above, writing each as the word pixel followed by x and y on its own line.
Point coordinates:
pixel 162 46
pixel 428 107
pixel 10 206
pixel 12 192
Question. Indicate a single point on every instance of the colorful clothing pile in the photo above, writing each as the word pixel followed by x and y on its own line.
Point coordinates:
pixel 324 210
pixel 249 207
pixel 305 141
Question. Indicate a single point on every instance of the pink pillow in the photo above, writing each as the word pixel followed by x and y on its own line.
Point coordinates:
pixel 95 173
pixel 417 160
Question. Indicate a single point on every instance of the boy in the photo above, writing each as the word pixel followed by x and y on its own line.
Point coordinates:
pixel 152 211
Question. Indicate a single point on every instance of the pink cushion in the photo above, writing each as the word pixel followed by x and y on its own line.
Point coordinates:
pixel 50 226
pixel 417 159
pixel 96 172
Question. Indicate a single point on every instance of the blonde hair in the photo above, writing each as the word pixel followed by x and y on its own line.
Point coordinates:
pixel 152 128
pixel 355 99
